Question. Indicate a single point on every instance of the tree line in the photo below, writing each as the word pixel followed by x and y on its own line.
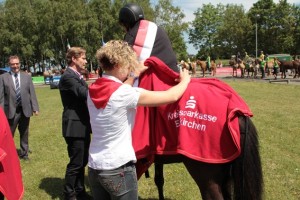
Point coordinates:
pixel 224 30
pixel 39 31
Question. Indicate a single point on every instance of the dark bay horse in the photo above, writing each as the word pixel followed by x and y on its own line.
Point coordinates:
pixel 199 123
pixel 240 179
pixel 292 65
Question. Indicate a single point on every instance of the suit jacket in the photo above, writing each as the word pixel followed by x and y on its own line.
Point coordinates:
pixel 8 95
pixel 75 117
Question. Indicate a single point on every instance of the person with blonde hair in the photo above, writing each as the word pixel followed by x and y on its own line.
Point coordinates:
pixel 112 104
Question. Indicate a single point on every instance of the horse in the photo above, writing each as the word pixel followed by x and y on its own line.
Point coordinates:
pixel 296 65
pixel 177 133
pixel 269 67
pixel 213 68
pixel 251 67
pixel 241 66
pixel 240 179
pixel 236 65
pixel 202 65
pixel 188 66
pixel 285 65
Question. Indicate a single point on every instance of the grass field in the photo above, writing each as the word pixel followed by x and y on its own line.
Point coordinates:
pixel 276 115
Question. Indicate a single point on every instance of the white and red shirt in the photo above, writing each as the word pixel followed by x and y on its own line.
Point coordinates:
pixel 112 107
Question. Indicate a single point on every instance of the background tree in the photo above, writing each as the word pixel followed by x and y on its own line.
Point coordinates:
pixel 296 13
pixel 233 32
pixel 203 32
pixel 19 29
pixel 39 30
pixel 170 18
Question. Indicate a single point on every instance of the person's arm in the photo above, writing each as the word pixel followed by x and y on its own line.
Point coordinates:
pixel 74 86
pixel 133 76
pixel 156 98
pixel 131 79
pixel 33 98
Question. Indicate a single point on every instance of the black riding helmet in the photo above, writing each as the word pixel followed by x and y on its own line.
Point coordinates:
pixel 130 14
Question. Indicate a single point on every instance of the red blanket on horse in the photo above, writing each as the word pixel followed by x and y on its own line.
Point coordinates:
pixel 202 125
pixel 11 184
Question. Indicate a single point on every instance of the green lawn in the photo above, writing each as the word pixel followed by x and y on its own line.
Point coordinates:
pixel 276 115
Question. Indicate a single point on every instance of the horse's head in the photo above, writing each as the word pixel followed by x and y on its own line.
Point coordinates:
pixel 232 62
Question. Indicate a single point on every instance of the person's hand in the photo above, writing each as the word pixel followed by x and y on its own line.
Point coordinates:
pixel 184 76
pixel 36 113
pixel 140 68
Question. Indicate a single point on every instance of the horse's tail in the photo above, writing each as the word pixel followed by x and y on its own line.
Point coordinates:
pixel 247 170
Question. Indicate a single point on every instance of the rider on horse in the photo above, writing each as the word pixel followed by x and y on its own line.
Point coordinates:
pixel 208 62
pixel 238 57
pixel 262 64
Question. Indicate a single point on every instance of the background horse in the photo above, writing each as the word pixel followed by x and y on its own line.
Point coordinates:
pixel 240 179
pixel 237 65
pixel 251 67
pixel 189 67
pixel 269 67
pixel 292 65
pixel 202 65
pixel 213 68
pixel 242 67
pixel 296 66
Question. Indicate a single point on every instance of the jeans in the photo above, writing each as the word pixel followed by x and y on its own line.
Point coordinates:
pixel 116 184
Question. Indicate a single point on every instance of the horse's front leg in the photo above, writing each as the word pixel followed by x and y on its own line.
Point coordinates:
pixel 159 179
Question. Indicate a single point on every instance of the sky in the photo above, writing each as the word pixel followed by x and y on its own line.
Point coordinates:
pixel 190 6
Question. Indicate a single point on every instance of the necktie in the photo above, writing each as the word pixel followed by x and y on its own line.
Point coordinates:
pixel 18 90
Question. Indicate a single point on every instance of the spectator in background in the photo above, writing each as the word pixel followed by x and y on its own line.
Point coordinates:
pixel 276 67
pixel 146 37
pixel 238 57
pixel 75 123
pixel 18 99
pixel 208 63
pixel 247 57
pixel 262 64
pixel 262 56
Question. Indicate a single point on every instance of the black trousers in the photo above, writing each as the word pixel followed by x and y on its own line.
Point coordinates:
pixel 22 122
pixel 78 150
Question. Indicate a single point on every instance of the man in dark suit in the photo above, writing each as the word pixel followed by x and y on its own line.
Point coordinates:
pixel 76 127
pixel 18 99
